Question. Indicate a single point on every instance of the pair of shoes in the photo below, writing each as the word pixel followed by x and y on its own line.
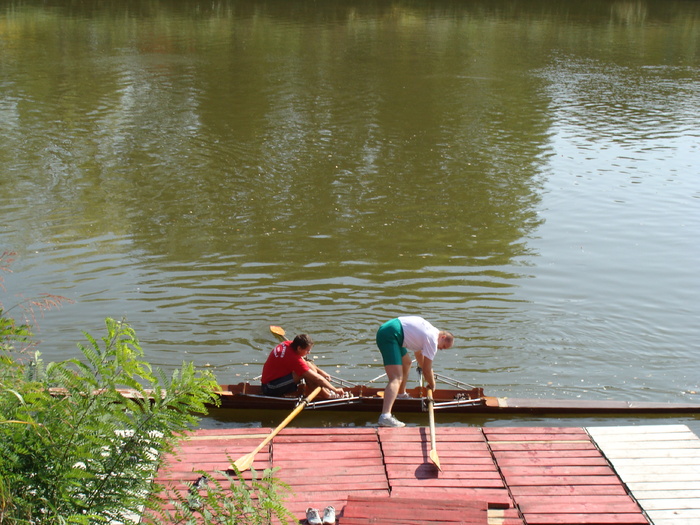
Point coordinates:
pixel 403 396
pixel 313 517
pixel 387 420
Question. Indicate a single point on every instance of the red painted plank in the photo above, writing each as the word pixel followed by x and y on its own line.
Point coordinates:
pixel 496 498
pixel 327 431
pixel 405 510
pixel 590 452
pixel 557 431
pixel 586 519
pixel 354 485
pixel 321 455
pixel 321 498
pixel 476 446
pixel 556 471
pixel 330 463
pixel 426 513
pixel 455 465
pixel 562 480
pixel 544 437
pixel 542 446
pixel 432 483
pixel 577 504
pixel 461 432
pixel 568 490
pixel 333 445
pixel 429 471
pixel 551 462
pixel 229 431
pixel 346 440
pixel 334 473
pixel 397 455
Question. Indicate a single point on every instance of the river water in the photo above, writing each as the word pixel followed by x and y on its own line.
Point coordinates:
pixel 522 173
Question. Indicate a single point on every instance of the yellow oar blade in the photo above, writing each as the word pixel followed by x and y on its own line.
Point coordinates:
pixel 277 330
pixel 244 462
pixel 435 459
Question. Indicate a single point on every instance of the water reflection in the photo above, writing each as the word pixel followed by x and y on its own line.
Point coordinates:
pixel 208 169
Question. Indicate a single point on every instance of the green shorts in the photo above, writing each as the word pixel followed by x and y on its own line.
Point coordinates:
pixel 390 342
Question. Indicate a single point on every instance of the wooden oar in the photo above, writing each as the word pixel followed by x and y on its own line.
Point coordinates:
pixel 245 462
pixel 433 449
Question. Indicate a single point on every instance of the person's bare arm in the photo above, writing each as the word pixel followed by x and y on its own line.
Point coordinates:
pixel 312 376
pixel 428 374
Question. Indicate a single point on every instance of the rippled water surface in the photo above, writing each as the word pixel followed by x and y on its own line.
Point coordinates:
pixel 524 174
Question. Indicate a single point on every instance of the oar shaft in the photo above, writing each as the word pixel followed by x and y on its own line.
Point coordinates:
pixel 291 416
pixel 433 448
pixel 247 460
pixel 431 418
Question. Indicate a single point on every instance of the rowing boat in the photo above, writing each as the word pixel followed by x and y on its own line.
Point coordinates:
pixel 460 398
pixel 359 398
pixel 453 400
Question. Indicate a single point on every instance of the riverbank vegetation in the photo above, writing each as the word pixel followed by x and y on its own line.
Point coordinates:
pixel 74 450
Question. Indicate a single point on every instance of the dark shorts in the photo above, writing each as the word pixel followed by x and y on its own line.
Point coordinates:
pixel 390 342
pixel 280 386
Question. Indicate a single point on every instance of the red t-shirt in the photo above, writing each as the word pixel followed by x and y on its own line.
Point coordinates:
pixel 282 361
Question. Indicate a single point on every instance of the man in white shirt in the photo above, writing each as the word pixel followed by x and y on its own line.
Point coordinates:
pixel 394 339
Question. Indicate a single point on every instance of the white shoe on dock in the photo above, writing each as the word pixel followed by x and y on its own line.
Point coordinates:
pixel 329 515
pixel 387 420
pixel 312 517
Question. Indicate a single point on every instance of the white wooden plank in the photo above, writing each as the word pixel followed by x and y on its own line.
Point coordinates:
pixel 651 436
pixel 650 445
pixel 655 476
pixel 654 453
pixel 637 429
pixel 689 472
pixel 675 521
pixel 659 462
pixel 665 493
pixel 657 453
pixel 676 515
pixel 681 504
pixel 667 485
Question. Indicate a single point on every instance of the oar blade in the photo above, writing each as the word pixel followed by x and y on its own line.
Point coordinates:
pixel 244 462
pixel 278 331
pixel 435 459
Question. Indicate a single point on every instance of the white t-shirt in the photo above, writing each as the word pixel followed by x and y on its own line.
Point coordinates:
pixel 419 336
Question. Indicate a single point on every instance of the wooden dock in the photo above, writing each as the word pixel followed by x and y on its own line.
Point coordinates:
pixel 490 476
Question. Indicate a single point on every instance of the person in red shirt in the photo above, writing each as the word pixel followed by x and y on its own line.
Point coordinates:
pixel 286 366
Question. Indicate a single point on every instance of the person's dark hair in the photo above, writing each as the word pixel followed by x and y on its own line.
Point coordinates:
pixel 301 341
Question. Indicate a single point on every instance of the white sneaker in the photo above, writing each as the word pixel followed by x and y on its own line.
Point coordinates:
pixel 390 421
pixel 403 396
pixel 329 515
pixel 312 517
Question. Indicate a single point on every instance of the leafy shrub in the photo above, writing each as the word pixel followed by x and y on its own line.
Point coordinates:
pixel 73 449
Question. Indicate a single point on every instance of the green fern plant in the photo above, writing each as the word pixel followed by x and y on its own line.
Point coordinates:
pixel 73 449
pixel 232 501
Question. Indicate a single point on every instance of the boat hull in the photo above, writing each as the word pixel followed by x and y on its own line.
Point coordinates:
pixel 244 396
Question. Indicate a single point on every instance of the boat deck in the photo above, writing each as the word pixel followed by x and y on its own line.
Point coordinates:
pixel 629 475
